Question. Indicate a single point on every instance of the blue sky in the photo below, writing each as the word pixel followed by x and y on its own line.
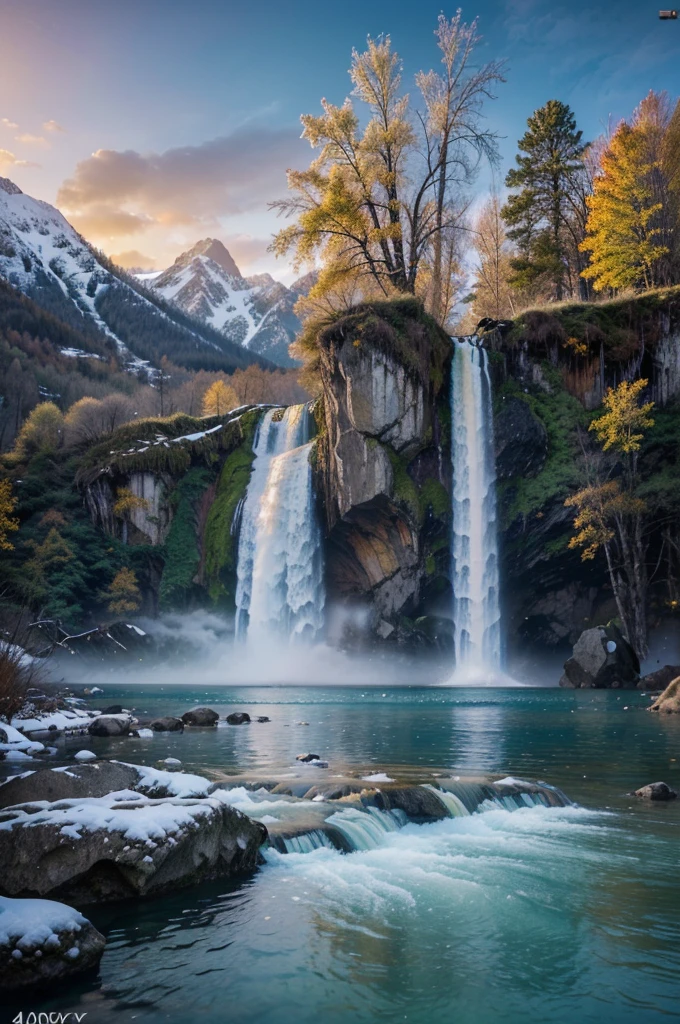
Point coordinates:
pixel 193 107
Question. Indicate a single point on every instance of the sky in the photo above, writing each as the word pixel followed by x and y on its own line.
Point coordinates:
pixel 155 124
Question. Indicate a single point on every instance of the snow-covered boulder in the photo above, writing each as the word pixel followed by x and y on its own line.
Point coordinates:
pixel 42 942
pixel 125 844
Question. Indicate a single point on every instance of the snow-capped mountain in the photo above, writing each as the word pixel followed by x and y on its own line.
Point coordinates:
pixel 255 312
pixel 44 257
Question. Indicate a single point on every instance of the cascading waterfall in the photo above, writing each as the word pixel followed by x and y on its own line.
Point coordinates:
pixel 476 611
pixel 280 585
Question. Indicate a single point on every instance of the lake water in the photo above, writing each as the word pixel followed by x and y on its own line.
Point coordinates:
pixel 542 914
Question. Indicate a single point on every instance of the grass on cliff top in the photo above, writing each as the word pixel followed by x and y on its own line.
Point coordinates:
pixel 620 324
pixel 400 328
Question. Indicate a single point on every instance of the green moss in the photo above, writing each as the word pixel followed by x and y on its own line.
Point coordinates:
pixel 561 414
pixel 404 489
pixel 430 565
pixel 182 549
pixel 434 495
pixel 220 544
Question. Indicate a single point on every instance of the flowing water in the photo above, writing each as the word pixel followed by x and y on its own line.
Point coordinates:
pixel 280 588
pixel 476 610
pixel 506 912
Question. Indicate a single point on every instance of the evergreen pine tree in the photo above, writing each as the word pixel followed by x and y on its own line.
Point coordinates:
pixel 540 214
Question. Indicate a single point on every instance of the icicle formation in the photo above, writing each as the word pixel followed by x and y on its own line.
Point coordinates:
pixel 476 610
pixel 280 571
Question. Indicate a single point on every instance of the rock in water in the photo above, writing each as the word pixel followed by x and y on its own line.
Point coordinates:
pixel 123 846
pixel 82 780
pixel 110 725
pixel 660 679
pixel 42 942
pixel 238 718
pixel 669 701
pixel 307 757
pixel 656 791
pixel 602 659
pixel 167 724
pixel 201 717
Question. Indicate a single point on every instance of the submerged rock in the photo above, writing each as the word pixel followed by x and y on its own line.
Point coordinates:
pixel 42 942
pixel 308 757
pixel 602 659
pixel 660 679
pixel 238 718
pixel 669 701
pixel 656 791
pixel 200 717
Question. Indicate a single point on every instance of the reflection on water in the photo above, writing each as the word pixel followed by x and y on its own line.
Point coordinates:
pixel 543 914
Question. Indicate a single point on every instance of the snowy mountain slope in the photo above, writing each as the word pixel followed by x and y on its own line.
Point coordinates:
pixel 254 312
pixel 43 256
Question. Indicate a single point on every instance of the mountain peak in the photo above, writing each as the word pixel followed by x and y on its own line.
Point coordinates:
pixel 217 252
pixel 9 187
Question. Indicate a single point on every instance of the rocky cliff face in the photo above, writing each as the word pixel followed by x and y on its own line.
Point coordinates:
pixel 383 466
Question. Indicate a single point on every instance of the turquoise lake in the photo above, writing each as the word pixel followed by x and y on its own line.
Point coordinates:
pixel 541 914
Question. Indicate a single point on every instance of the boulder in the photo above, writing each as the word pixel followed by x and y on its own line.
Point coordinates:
pixel 659 679
pixel 308 757
pixel 521 440
pixel 167 724
pixel 656 791
pixel 112 709
pixel 669 701
pixel 110 725
pixel 123 846
pixel 42 942
pixel 76 781
pixel 238 718
pixel 602 659
pixel 201 717
pixel 263 718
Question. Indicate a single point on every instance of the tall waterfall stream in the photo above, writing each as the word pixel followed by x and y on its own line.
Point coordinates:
pixel 280 588
pixel 476 609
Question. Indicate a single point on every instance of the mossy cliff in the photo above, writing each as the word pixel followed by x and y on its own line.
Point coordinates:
pixel 187 477
pixel 550 373
pixel 383 467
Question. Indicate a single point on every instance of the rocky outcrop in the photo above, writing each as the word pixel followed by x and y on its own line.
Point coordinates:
pixel 43 942
pixel 669 701
pixel 659 679
pixel 383 462
pixel 602 659
pixel 521 440
pixel 76 781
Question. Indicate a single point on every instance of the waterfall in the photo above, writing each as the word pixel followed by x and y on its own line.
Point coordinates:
pixel 279 569
pixel 476 611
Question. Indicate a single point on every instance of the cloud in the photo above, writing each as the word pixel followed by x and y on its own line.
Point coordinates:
pixel 53 126
pixel 32 140
pixel 247 250
pixel 189 185
pixel 6 123
pixel 8 159
pixel 133 258
pixel 106 220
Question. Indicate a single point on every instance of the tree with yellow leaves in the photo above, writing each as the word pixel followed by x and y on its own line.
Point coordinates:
pixel 609 513
pixel 42 430
pixel 219 399
pixel 383 193
pixel 123 594
pixel 624 232
pixel 8 522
